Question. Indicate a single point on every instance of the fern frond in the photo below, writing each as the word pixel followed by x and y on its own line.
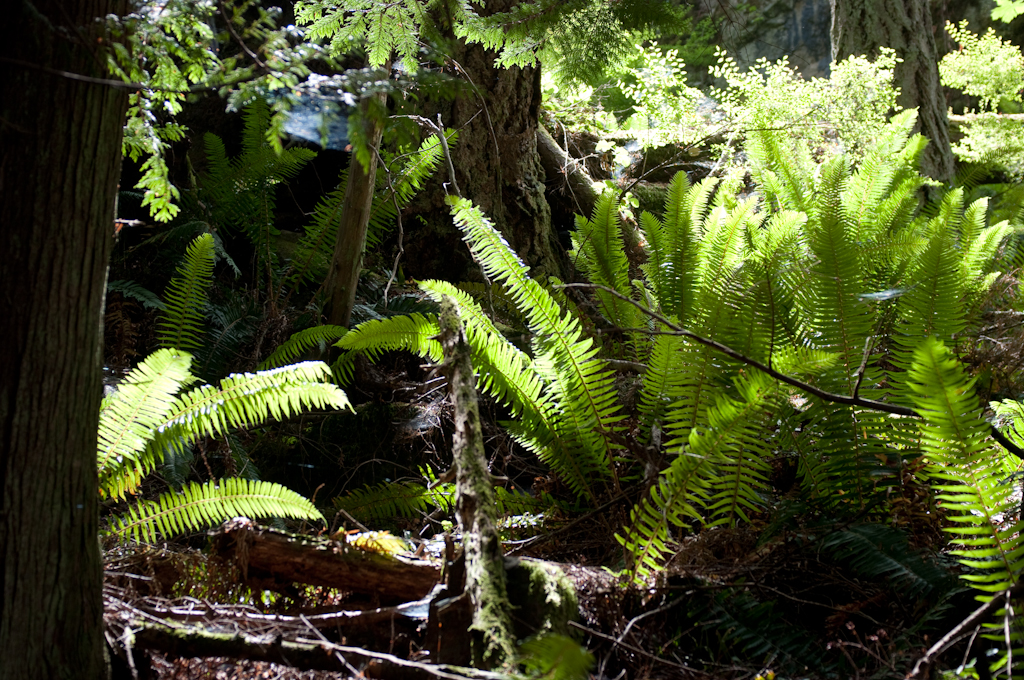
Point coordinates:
pixel 876 551
pixel 293 347
pixel 245 400
pixel 674 501
pixel 385 502
pixel 182 324
pixel 971 474
pixel 598 252
pixel 128 418
pixel 198 506
pixel 734 437
pixel 133 290
pixel 576 379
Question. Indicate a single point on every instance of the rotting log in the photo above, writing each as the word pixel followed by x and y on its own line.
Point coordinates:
pixel 270 557
pixel 561 168
pixel 305 653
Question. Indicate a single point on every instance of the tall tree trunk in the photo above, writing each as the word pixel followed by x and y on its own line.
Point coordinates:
pixel 496 162
pixel 59 165
pixel 862 26
pixel 350 241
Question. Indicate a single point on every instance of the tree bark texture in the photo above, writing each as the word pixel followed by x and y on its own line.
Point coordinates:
pixel 355 218
pixel 492 635
pixel 860 27
pixel 496 163
pixel 60 153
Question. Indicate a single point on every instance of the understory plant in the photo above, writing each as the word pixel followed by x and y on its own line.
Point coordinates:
pixel 992 71
pixel 158 412
pixel 813 324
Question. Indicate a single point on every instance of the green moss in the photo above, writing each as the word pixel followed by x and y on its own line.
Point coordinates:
pixel 544 597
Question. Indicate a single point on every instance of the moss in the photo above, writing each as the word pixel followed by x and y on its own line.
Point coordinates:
pixel 545 599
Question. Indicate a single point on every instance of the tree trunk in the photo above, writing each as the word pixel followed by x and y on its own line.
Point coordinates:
pixel 350 241
pixel 61 141
pixel 862 26
pixel 496 163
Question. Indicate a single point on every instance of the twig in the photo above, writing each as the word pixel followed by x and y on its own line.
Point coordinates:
pixel 401 231
pixel 447 156
pixel 636 650
pixel 635 619
pixel 863 366
pixel 544 538
pixel 831 397
pixel 231 29
pixel 122 85
pixel 972 621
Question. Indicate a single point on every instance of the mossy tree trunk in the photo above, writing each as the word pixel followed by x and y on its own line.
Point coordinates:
pixel 497 166
pixel 491 632
pixel 350 241
pixel 61 142
pixel 860 27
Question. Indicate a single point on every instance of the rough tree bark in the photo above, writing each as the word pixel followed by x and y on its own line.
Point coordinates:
pixel 862 26
pixel 496 163
pixel 59 165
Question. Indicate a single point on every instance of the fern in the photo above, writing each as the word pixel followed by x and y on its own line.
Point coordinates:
pixel 599 253
pixel 133 290
pixel 414 333
pixel 574 377
pixel 139 424
pixel 875 551
pixel 300 342
pixel 128 418
pixel 395 189
pixel 971 473
pixel 181 325
pixel 385 502
pixel 198 506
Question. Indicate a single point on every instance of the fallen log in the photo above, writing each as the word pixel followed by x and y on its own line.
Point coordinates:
pixel 274 560
pixel 305 653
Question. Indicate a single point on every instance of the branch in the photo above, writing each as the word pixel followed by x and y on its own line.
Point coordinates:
pixel 831 397
pixel 318 654
pixel 975 619
pixel 122 85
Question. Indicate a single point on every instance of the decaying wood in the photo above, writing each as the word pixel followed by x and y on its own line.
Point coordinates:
pixel 559 166
pixel 275 557
pixel 302 652
pixel 491 632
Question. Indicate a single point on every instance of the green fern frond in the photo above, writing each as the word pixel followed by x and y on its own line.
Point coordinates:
pixel 415 333
pixel 599 253
pixel 315 248
pixel 971 474
pixel 385 502
pixel 293 347
pixel 876 551
pixel 672 252
pixel 674 501
pixel 198 506
pixel 182 324
pixel 734 437
pixel 131 289
pixel 761 633
pixel 576 379
pixel 245 400
pixel 128 418
pixel 555 657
